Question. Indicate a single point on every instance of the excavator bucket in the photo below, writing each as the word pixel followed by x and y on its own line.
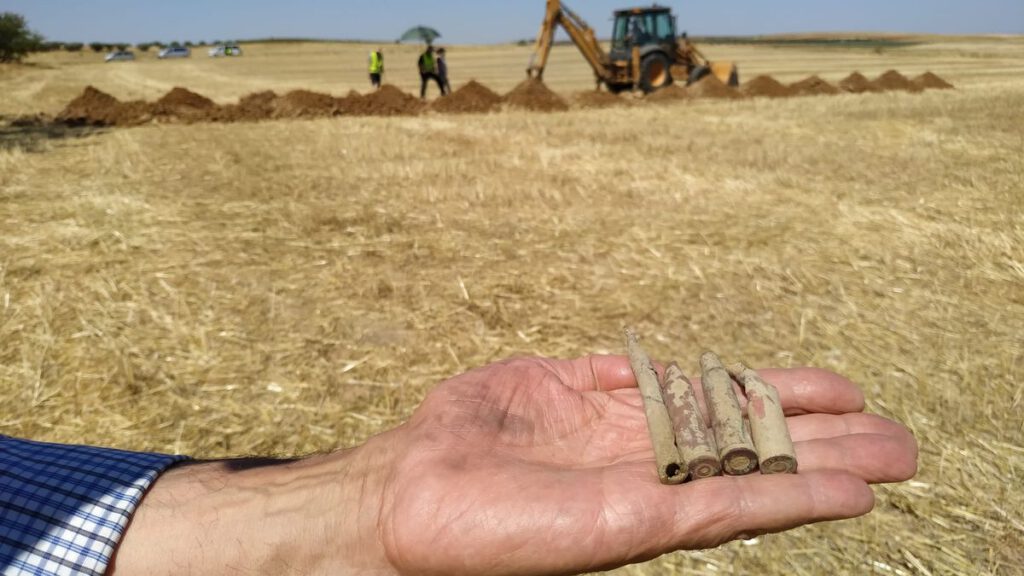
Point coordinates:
pixel 726 72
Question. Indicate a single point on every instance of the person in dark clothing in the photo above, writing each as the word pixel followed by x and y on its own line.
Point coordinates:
pixel 428 70
pixel 442 71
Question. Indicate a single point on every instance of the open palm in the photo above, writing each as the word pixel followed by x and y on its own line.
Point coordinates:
pixel 546 467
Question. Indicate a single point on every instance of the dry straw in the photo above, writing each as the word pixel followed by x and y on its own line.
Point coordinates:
pixel 292 286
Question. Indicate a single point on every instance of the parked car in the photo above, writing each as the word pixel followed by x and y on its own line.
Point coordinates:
pixel 174 52
pixel 225 50
pixel 119 56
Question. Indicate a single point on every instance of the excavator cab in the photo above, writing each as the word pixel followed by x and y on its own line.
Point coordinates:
pixel 643 27
pixel 643 46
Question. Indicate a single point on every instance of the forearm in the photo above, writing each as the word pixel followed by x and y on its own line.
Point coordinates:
pixel 311 516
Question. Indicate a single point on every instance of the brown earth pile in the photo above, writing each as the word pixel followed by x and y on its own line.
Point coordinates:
pixel 180 97
pixel 670 94
pixel 813 86
pixel 388 101
pixel 97 108
pixel 181 104
pixel 596 99
pixel 766 86
pixel 304 104
pixel 532 94
pixel 250 108
pixel 258 105
pixel 857 83
pixel 893 80
pixel 473 97
pixel 711 87
pixel 931 81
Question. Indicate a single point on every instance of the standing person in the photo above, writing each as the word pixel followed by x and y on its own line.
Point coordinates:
pixel 428 70
pixel 376 67
pixel 442 71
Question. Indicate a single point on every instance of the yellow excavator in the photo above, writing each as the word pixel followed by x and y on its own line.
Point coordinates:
pixel 645 51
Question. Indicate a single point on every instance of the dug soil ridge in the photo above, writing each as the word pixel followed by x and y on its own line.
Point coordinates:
pixel 532 94
pixel 93 107
pixel 472 97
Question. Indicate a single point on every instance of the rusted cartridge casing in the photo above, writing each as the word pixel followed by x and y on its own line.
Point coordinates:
pixel 694 441
pixel 659 425
pixel 735 448
pixel 767 422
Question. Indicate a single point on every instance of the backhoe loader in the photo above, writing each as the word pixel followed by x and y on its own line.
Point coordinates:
pixel 645 51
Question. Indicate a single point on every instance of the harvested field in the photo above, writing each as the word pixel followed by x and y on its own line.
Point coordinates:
pixel 288 286
pixel 597 99
pixel 669 94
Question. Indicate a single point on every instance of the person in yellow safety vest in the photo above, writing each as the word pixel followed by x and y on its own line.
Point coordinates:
pixel 376 67
pixel 428 70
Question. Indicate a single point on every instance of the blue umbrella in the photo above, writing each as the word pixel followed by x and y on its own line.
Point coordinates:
pixel 421 34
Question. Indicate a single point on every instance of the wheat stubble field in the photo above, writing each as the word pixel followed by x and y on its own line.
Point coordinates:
pixel 293 286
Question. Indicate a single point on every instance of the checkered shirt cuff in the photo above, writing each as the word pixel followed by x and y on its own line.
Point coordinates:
pixel 64 508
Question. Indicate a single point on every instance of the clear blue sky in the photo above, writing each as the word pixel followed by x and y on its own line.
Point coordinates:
pixel 486 21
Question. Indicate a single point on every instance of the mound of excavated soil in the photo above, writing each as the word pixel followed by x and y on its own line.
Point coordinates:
pixel 596 99
pixel 813 86
pixel 766 86
pixel 250 108
pixel 931 81
pixel 388 101
pixel 668 94
pixel 304 104
pixel 893 80
pixel 532 94
pixel 473 97
pixel 182 104
pixel 711 87
pixel 93 108
pixel 857 83
pixel 96 108
pixel 180 97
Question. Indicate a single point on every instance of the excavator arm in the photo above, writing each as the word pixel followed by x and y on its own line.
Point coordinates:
pixel 689 55
pixel 581 34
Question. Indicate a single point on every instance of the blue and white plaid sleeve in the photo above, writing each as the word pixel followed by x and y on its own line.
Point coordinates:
pixel 64 508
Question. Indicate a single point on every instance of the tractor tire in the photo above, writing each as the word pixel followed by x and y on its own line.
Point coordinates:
pixel 698 74
pixel 655 72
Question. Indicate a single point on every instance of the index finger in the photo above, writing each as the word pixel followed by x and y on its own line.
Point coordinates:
pixel 801 390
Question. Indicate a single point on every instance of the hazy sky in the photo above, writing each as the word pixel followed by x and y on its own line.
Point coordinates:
pixel 484 21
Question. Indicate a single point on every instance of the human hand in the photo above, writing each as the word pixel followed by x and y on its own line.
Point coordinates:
pixel 535 466
pixel 528 466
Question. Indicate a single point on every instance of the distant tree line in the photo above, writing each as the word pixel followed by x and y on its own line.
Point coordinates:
pixel 18 41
